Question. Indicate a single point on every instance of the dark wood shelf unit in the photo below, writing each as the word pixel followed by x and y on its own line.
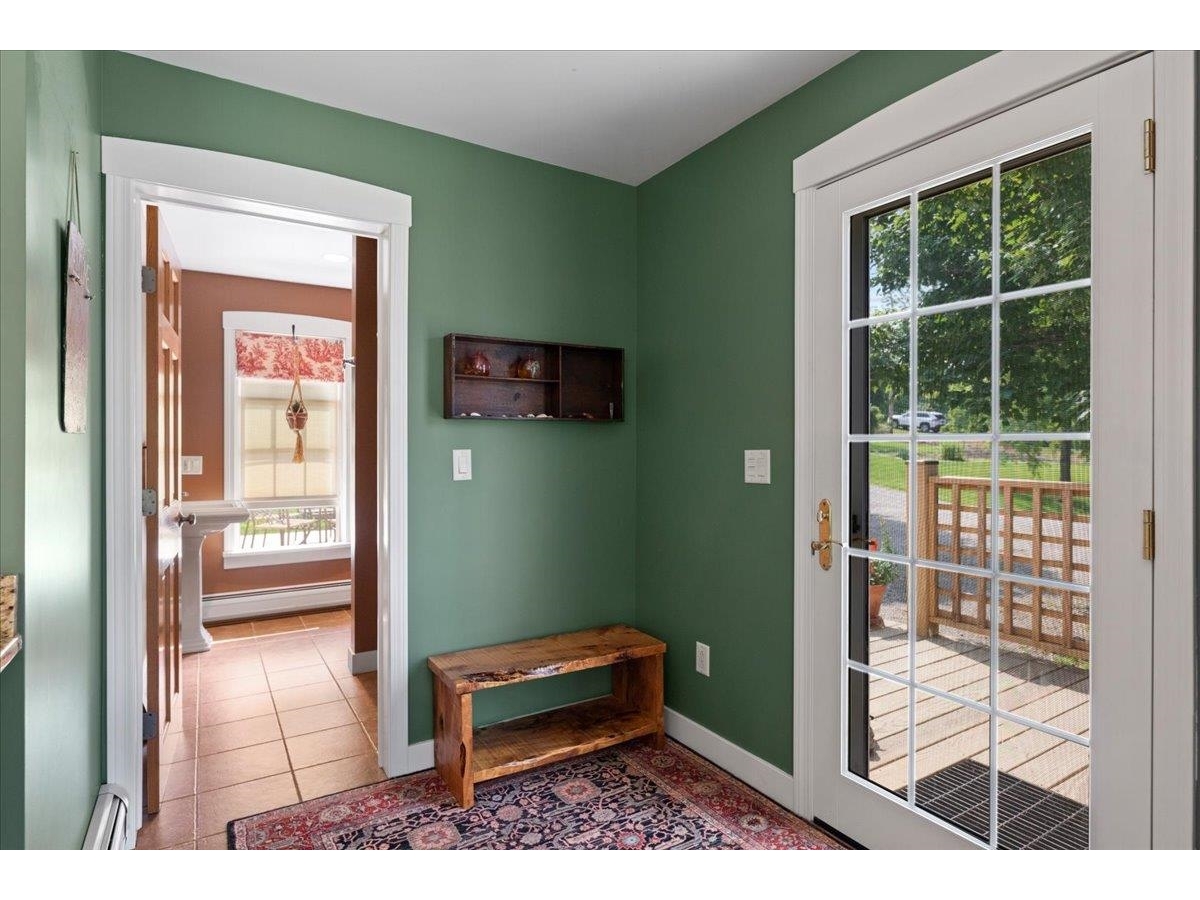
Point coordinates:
pixel 579 383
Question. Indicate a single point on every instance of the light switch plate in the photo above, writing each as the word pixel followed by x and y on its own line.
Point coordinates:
pixel 702 656
pixel 758 467
pixel 461 465
pixel 191 465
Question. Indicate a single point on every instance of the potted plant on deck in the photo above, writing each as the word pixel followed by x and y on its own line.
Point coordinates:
pixel 882 573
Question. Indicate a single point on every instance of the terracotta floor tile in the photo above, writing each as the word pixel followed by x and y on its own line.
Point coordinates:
pixel 282 625
pixel 288 641
pixel 306 695
pixel 237 734
pixel 316 718
pixel 325 746
pixel 174 824
pixel 214 842
pixel 215 809
pixel 240 668
pixel 337 663
pixel 341 775
pixel 177 780
pixel 358 686
pixel 278 660
pixel 184 716
pixel 289 678
pixel 364 707
pixel 236 766
pixel 237 631
pixel 188 845
pixel 178 746
pixel 223 653
pixel 337 618
pixel 235 687
pixel 220 711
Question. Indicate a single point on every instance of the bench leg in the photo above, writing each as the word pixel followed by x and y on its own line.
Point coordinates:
pixel 453 742
pixel 639 683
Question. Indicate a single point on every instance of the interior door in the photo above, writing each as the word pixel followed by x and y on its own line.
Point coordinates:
pixel 162 492
pixel 981 428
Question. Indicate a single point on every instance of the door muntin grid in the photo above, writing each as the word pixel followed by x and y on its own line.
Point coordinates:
pixel 1014 438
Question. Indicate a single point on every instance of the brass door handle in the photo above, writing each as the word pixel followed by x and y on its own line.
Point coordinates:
pixel 822 548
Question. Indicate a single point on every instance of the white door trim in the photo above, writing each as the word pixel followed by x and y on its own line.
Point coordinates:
pixel 137 172
pixel 994 85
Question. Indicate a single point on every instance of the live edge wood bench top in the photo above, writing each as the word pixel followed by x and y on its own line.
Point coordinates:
pixel 467 671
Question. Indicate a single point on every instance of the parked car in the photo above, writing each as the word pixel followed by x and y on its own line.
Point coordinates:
pixel 926 421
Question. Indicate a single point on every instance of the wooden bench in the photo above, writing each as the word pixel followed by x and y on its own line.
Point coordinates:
pixel 466 755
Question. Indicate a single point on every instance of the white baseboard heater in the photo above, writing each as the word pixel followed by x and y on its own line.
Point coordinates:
pixel 219 608
pixel 106 831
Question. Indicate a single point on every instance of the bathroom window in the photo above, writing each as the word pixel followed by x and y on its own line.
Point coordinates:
pixel 296 483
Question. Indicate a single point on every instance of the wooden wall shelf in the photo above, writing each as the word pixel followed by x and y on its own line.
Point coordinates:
pixel 578 383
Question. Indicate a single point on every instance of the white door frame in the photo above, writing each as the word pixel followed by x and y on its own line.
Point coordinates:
pixel 978 92
pixel 138 172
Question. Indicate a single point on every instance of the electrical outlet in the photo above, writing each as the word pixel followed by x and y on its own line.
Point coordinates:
pixel 191 465
pixel 702 658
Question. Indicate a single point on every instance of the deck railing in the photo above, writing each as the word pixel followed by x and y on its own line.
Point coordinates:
pixel 1044 531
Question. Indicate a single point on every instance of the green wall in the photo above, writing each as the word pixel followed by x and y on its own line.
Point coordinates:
pixel 12 426
pixel 716 258
pixel 542 540
pixel 53 498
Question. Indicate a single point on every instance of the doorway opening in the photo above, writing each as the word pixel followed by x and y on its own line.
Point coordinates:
pixel 275 678
pixel 282 463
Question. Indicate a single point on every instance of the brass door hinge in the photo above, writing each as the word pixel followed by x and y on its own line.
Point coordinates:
pixel 1148 145
pixel 1148 534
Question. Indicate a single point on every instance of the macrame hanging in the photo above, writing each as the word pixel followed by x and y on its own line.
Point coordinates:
pixel 297 412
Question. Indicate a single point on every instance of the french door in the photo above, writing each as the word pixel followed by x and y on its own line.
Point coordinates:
pixel 980 434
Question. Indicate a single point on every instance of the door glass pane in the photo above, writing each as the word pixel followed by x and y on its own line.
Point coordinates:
pixel 1044 787
pixel 953 633
pixel 888 262
pixel 953 763
pixel 954 371
pixel 1045 510
pixel 1045 363
pixel 879 361
pixel 879 622
pixel 954 243
pixel 881 754
pixel 1046 220
pixel 1001 530
pixel 879 496
pixel 954 486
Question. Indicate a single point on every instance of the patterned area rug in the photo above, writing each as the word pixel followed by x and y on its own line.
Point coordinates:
pixel 627 797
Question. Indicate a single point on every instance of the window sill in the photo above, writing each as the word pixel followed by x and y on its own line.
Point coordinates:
pixel 248 559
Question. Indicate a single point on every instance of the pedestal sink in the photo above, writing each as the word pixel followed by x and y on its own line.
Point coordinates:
pixel 201 518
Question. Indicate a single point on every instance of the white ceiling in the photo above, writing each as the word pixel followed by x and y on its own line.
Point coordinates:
pixel 210 240
pixel 624 115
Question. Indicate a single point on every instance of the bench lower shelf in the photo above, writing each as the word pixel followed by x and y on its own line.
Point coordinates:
pixel 526 743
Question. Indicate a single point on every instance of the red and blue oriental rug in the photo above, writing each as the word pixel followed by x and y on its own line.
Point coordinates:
pixel 627 797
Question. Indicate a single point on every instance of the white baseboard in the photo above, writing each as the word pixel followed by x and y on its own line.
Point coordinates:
pixel 741 764
pixel 420 756
pixel 225 607
pixel 366 661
